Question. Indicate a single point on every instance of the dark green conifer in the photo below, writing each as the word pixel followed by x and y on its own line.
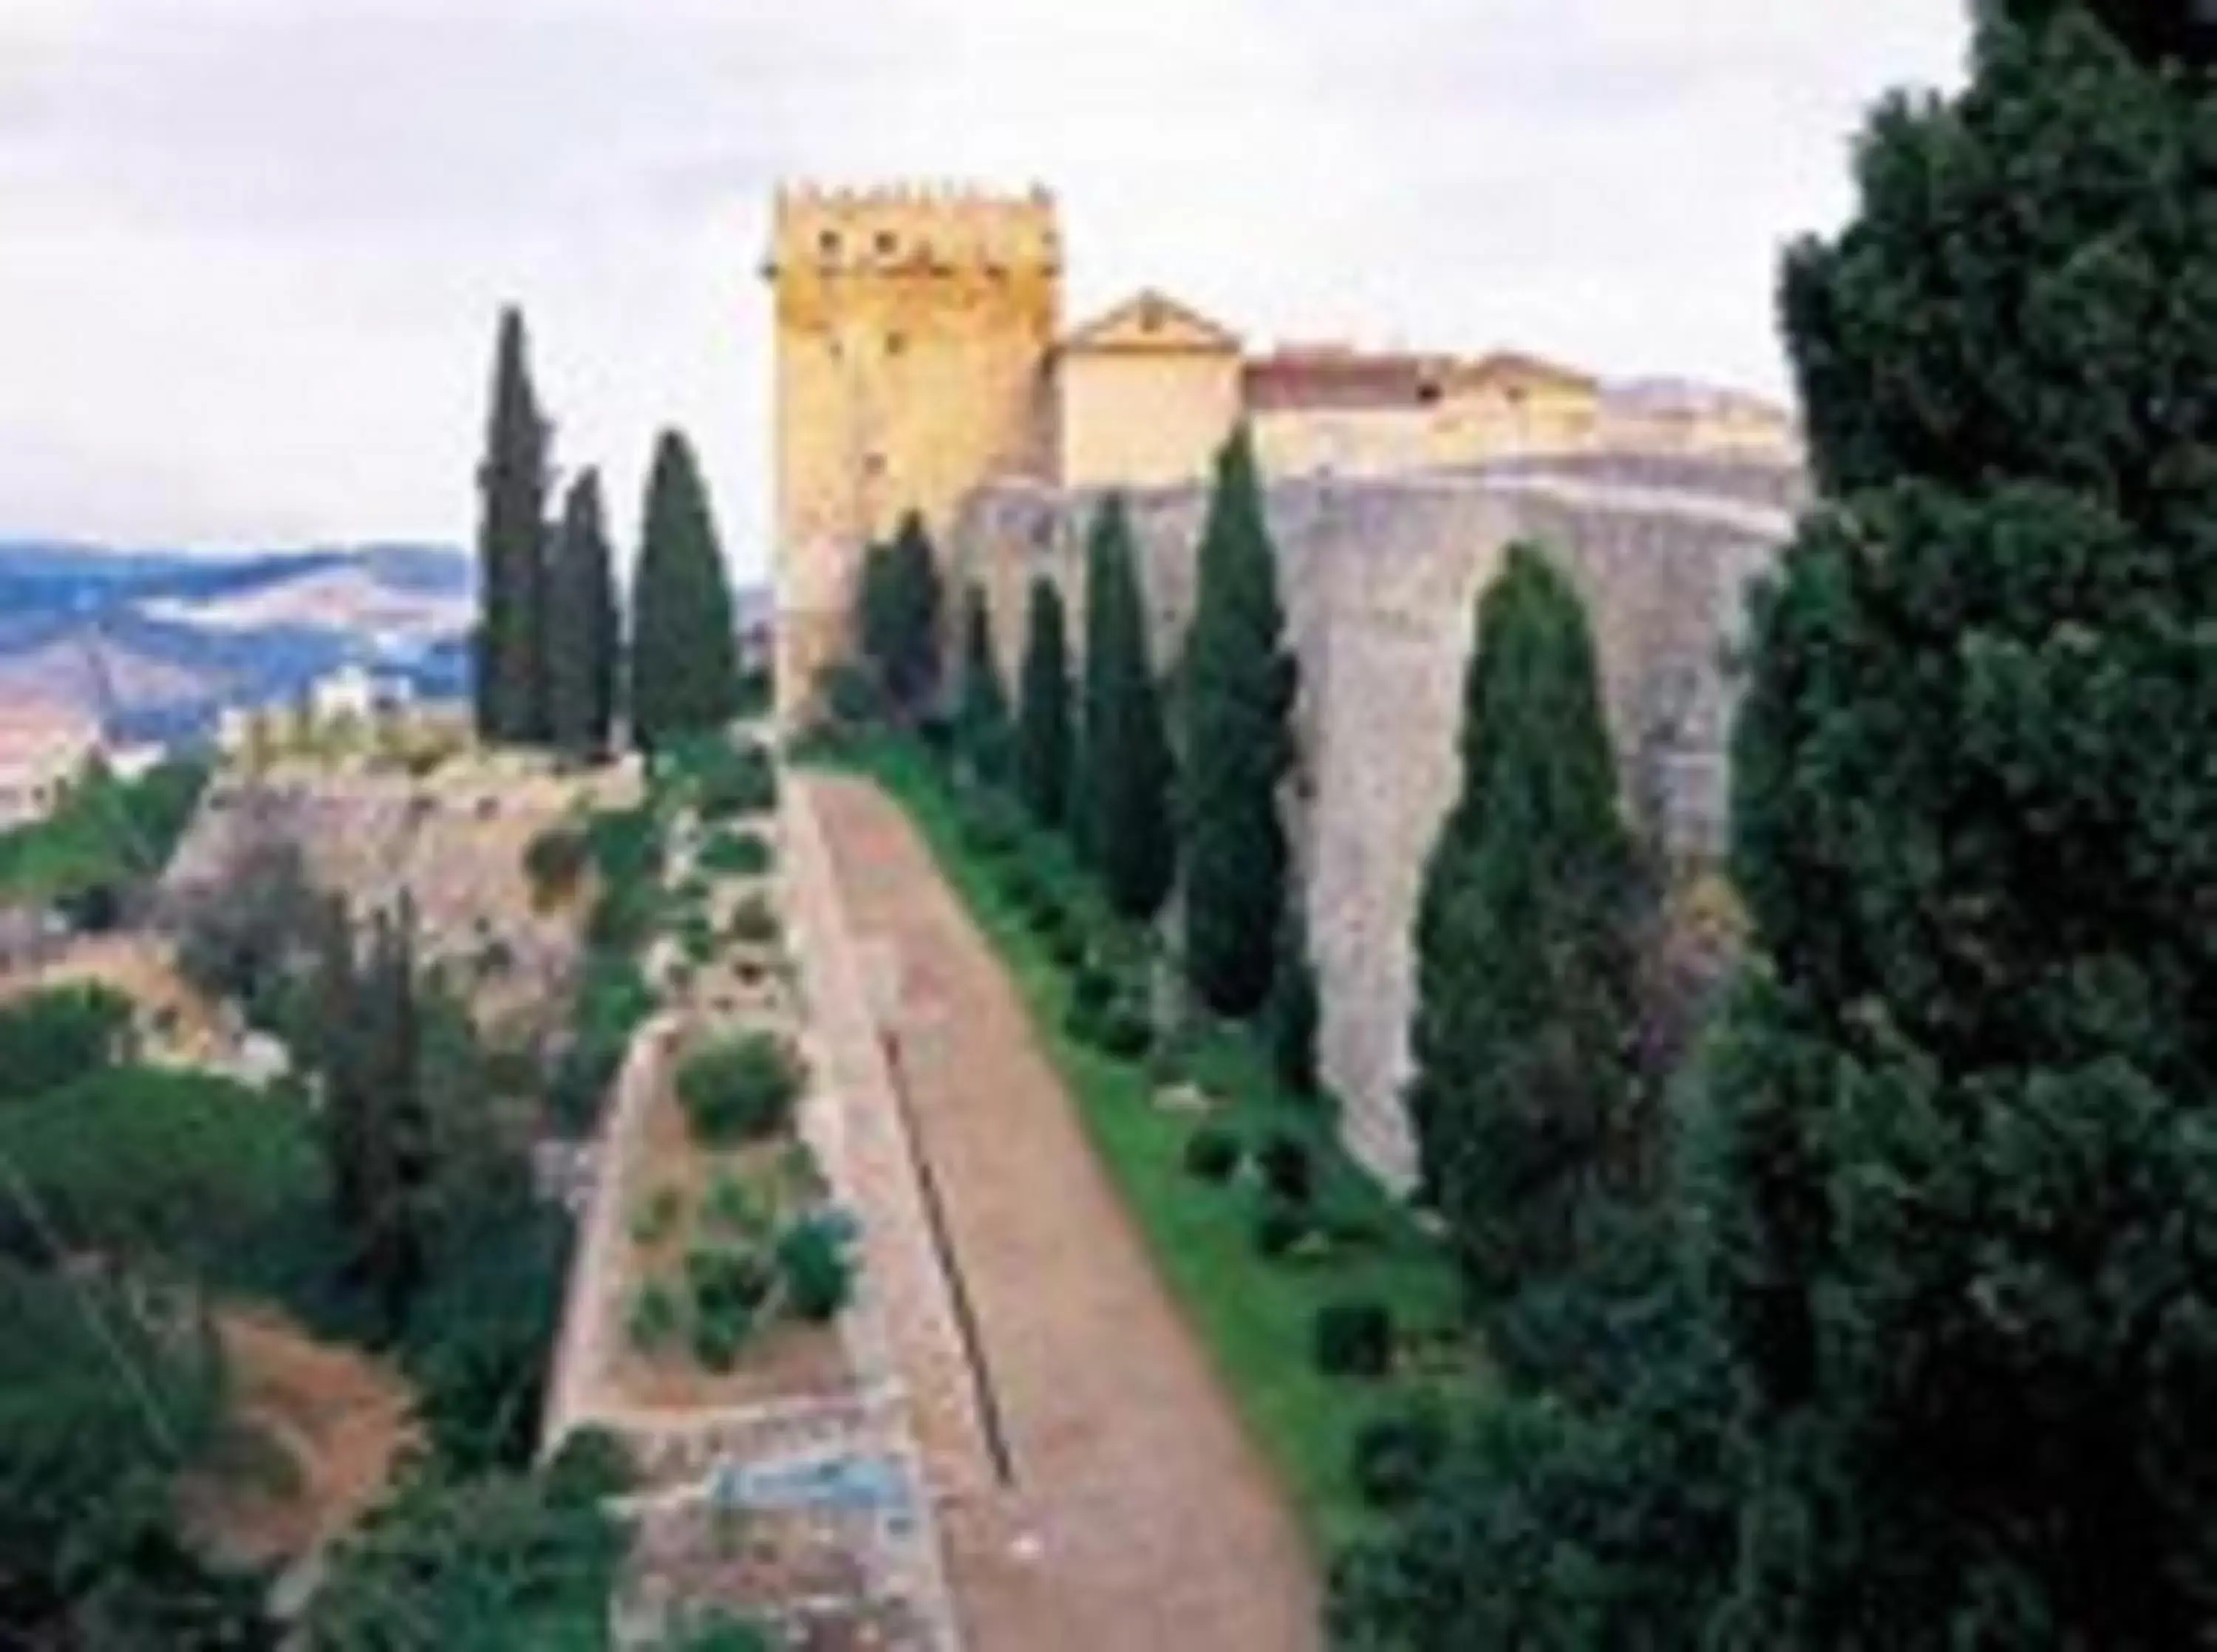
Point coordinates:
pixel 583 642
pixel 684 651
pixel 1524 956
pixel 1043 732
pixel 1237 691
pixel 511 676
pixel 1122 798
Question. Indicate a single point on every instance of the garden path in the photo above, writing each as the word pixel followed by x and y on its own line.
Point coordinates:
pixel 1129 1509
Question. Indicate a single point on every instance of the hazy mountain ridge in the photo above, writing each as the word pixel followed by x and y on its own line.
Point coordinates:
pixel 156 643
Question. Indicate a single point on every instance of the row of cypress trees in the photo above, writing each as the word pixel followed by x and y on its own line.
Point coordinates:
pixel 1165 788
pixel 551 665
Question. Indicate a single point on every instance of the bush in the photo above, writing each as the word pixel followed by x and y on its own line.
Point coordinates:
pixel 819 1278
pixel 60 1034
pixel 731 1207
pixel 730 853
pixel 720 1276
pixel 1395 1458
pixel 1092 989
pixel 589 1465
pixel 1288 1169
pixel 1212 1153
pixel 719 1337
pixel 990 828
pixel 734 779
pixel 657 1219
pixel 1067 947
pixel 555 860
pixel 696 936
pixel 755 922
pixel 1354 1338
pixel 1126 1032
pixel 1280 1228
pixel 742 1088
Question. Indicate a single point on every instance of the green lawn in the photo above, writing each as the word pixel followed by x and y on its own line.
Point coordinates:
pixel 1256 1314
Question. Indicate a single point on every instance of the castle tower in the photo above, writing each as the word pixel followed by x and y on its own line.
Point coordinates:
pixel 914 325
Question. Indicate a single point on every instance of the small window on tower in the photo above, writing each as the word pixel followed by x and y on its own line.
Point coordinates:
pixel 828 243
pixel 896 343
pixel 874 464
pixel 885 243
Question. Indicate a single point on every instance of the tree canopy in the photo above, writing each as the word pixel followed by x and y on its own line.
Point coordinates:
pixel 1044 736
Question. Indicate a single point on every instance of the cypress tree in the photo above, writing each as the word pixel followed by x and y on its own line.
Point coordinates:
pixel 877 613
pixel 1238 689
pixel 1291 1014
pixel 981 719
pixel 911 662
pixel 1525 958
pixel 684 655
pixel 510 677
pixel 1043 731
pixel 584 645
pixel 1959 1202
pixel 1123 795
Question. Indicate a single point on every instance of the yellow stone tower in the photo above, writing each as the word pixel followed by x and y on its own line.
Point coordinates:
pixel 914 329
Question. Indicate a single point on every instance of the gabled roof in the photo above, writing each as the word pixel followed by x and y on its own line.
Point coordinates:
pixel 1151 321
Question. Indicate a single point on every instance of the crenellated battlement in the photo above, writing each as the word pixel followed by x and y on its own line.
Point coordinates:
pixel 927 225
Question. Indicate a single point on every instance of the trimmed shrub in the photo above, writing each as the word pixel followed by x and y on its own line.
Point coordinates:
pixel 1212 1153
pixel 730 853
pixel 657 1219
pixel 555 860
pixel 755 922
pixel 734 779
pixel 741 1089
pixel 1354 1338
pixel 1395 1458
pixel 1126 1032
pixel 719 1337
pixel 1289 1169
pixel 1092 989
pixel 592 1463
pixel 1279 1228
pixel 655 1316
pixel 724 1276
pixel 731 1207
pixel 812 1256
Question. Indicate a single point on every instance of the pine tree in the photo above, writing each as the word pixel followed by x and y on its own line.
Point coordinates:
pixel 684 655
pixel 1958 1188
pixel 511 679
pixel 981 718
pixel 1237 690
pixel 584 645
pixel 1524 956
pixel 1122 798
pixel 1043 731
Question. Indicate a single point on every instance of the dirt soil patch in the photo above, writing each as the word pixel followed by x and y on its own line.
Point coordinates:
pixel 312 1440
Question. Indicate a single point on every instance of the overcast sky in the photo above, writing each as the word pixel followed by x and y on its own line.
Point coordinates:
pixel 250 250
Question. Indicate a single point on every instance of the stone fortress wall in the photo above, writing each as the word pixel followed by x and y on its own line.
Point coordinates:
pixel 1379 578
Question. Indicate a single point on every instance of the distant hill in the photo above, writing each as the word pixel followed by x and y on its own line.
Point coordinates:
pixel 156 643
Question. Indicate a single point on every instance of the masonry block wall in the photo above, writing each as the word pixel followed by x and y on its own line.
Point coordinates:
pixel 1380 580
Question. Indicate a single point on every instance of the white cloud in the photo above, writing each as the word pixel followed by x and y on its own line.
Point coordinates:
pixel 251 249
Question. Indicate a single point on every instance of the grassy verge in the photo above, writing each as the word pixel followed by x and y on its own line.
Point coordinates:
pixel 1256 1314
